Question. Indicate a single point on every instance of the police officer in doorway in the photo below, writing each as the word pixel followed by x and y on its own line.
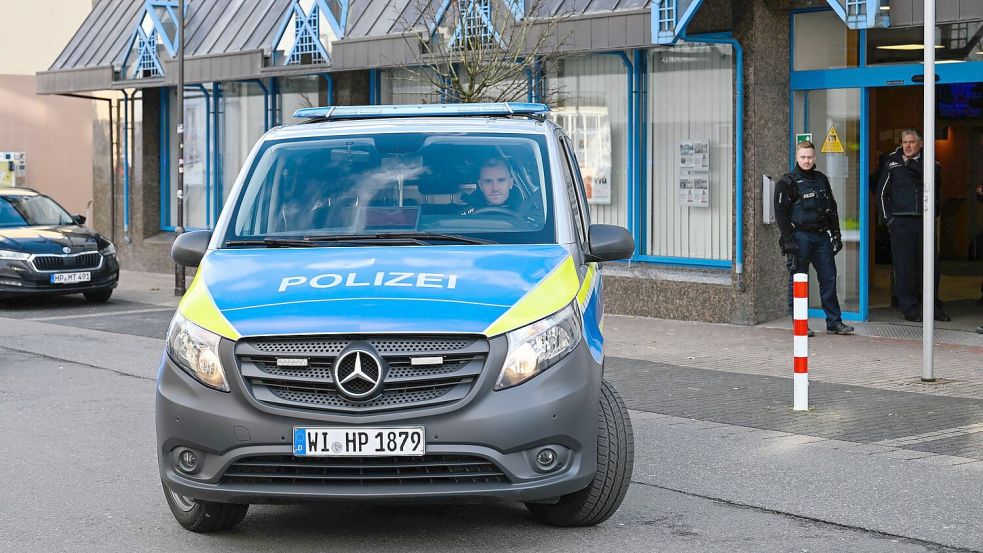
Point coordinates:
pixel 810 225
pixel 899 201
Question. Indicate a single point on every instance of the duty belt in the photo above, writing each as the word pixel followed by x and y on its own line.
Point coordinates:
pixel 810 228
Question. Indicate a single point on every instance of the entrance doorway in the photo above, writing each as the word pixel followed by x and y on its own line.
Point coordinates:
pixel 959 149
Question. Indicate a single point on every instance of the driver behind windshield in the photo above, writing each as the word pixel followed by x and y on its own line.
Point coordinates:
pixel 495 189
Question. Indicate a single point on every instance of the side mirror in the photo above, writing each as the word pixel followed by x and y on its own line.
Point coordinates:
pixel 190 247
pixel 79 219
pixel 609 243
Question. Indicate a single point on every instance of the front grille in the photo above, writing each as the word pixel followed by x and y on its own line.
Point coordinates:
pixel 406 386
pixel 88 260
pixel 285 470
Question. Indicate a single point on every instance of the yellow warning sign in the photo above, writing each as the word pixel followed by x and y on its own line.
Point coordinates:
pixel 832 144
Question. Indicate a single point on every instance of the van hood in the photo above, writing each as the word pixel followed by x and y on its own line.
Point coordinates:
pixel 486 289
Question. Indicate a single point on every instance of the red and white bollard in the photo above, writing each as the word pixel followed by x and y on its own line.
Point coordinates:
pixel 800 331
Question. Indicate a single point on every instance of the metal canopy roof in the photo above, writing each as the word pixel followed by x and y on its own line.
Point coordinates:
pixel 233 39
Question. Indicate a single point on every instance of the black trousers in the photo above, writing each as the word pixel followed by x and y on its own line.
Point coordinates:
pixel 816 249
pixel 906 255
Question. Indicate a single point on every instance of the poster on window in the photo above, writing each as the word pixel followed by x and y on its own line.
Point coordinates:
pixel 694 173
pixel 590 132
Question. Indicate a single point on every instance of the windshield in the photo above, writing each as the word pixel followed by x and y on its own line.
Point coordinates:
pixel 464 187
pixel 32 211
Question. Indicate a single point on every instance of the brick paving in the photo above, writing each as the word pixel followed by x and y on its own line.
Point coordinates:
pixel 875 362
pixel 881 418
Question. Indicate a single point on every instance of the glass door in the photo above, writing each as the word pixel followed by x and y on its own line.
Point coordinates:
pixel 833 118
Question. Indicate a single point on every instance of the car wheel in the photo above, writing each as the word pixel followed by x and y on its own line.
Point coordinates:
pixel 204 516
pixel 98 296
pixel 615 458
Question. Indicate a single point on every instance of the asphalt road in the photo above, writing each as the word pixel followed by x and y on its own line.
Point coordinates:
pixel 79 472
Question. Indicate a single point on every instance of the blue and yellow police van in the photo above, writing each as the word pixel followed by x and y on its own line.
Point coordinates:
pixel 397 303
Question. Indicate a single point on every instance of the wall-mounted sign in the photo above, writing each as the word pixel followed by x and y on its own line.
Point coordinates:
pixel 803 137
pixel 13 169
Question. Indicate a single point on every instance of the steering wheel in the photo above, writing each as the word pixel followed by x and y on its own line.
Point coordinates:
pixel 496 210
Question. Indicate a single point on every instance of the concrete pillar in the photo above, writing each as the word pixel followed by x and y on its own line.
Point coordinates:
pixel 763 29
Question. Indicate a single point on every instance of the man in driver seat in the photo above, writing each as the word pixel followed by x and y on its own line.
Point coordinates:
pixel 496 191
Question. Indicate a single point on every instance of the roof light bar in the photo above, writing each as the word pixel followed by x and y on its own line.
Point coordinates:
pixel 334 113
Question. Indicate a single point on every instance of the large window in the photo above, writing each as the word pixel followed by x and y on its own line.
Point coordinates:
pixel 836 112
pixel 591 103
pixel 197 159
pixel 212 157
pixel 300 92
pixel 243 123
pixel 690 185
pixel 405 86
pixel 823 41
pixel 953 42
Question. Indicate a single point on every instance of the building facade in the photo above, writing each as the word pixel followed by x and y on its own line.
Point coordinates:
pixel 680 109
pixel 35 129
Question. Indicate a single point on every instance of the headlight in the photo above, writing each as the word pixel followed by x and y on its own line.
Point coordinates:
pixel 536 347
pixel 14 256
pixel 108 250
pixel 195 350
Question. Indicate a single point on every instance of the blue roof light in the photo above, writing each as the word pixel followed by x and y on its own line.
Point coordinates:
pixel 332 113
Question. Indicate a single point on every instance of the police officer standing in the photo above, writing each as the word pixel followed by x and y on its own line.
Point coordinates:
pixel 810 225
pixel 899 200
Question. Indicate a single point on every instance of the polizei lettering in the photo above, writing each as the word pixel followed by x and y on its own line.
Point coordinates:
pixel 354 280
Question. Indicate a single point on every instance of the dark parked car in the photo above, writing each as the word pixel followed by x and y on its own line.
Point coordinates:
pixel 45 251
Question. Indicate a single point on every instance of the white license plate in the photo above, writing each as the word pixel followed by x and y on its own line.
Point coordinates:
pixel 70 278
pixel 359 442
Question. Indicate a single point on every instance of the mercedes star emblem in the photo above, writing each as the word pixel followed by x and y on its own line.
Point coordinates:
pixel 358 374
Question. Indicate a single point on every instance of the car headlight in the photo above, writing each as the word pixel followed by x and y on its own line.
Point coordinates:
pixel 108 250
pixel 10 255
pixel 538 346
pixel 195 350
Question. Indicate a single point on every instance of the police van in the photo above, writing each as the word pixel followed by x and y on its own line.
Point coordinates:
pixel 397 303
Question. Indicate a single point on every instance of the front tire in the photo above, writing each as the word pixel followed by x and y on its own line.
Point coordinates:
pixel 615 458
pixel 204 516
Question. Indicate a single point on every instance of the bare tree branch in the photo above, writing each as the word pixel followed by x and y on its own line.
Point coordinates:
pixel 478 51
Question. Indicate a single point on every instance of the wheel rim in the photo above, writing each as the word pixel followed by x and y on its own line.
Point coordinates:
pixel 185 504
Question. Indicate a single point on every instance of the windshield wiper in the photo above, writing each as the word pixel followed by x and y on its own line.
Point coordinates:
pixel 422 238
pixel 272 243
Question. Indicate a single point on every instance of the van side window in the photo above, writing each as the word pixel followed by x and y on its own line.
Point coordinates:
pixel 571 174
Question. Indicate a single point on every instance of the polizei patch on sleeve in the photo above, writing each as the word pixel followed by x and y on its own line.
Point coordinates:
pixel 380 278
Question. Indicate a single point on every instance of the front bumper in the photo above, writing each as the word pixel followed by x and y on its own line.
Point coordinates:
pixel 21 279
pixel 556 409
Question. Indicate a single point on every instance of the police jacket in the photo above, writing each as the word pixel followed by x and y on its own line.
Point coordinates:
pixel 900 186
pixel 804 201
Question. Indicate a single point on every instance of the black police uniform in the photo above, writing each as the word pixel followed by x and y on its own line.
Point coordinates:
pixel 899 200
pixel 807 217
